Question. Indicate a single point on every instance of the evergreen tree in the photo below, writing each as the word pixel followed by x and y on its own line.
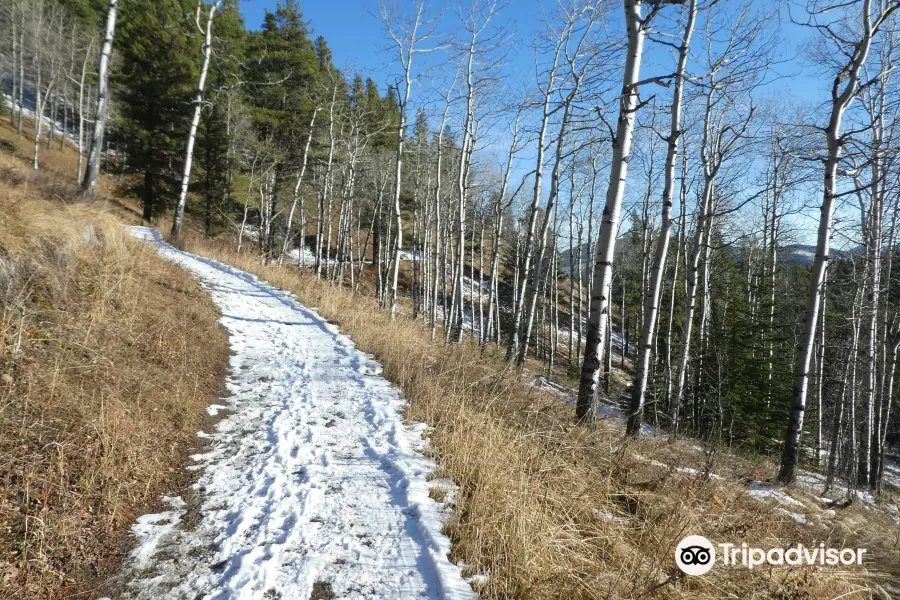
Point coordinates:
pixel 216 139
pixel 154 80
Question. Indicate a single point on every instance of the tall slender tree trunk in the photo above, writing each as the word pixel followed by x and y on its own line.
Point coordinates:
pixel 878 451
pixel 80 167
pixel 512 350
pixel 651 310
pixel 13 63
pixel 545 226
pixel 820 380
pixel 700 240
pixel 673 288
pixel 600 301
pixel 295 196
pixel 840 100
pixel 867 461
pixel 39 107
pixel 206 50
pixel 853 454
pixel 89 184
pixel 773 222
pixel 398 178
pixel 19 124
pixel 572 277
pixel 496 235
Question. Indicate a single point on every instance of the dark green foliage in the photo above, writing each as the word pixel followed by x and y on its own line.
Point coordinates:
pixel 215 159
pixel 156 71
pixel 284 75
pixel 261 90
pixel 89 14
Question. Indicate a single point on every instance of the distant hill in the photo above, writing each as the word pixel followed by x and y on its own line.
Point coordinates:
pixel 802 254
pixel 798 254
pixel 791 254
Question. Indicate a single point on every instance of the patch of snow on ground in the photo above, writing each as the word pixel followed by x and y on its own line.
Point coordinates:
pixel 891 474
pixel 797 517
pixel 303 257
pixel 312 475
pixel 815 483
pixel 763 492
pixel 213 409
pixel 150 530
pixel 685 470
pixel 409 255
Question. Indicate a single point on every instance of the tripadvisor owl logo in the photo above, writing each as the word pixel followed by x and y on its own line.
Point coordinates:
pixel 695 555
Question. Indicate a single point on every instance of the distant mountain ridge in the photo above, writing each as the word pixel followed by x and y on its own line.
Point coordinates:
pixel 790 254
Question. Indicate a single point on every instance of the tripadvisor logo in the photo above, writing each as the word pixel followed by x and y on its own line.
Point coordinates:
pixel 696 555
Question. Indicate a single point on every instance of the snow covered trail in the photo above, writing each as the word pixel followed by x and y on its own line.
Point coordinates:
pixel 313 487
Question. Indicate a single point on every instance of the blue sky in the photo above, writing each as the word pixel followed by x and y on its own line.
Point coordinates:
pixel 353 32
pixel 358 42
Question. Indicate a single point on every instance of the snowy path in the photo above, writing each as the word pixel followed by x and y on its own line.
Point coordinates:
pixel 313 487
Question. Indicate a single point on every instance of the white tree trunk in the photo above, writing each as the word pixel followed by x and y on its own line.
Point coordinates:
pixel 89 184
pixel 600 300
pixel 651 310
pixel 512 351
pixel 178 219
pixel 545 225
pixel 840 100
pixel 295 197
pixel 87 54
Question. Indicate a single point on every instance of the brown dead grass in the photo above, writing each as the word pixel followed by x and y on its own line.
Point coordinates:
pixel 547 509
pixel 103 386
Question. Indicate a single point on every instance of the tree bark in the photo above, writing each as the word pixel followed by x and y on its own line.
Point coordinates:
pixel 651 310
pixel 89 184
pixel 178 219
pixel 600 301
pixel 841 97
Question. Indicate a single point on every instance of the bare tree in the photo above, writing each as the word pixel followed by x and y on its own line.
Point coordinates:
pixel 89 185
pixel 651 310
pixel 408 35
pixel 579 57
pixel 844 89
pixel 206 51
pixel 636 24
pixel 295 197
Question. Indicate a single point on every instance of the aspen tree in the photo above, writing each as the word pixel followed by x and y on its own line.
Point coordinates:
pixel 89 183
pixel 636 24
pixel 844 89
pixel 651 310
pixel 206 52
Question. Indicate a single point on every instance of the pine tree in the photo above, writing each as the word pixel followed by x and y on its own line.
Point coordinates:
pixel 154 81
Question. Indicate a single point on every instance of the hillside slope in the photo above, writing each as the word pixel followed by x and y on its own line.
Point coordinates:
pixel 548 509
pixel 104 383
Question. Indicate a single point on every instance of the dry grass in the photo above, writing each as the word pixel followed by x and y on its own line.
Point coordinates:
pixel 548 509
pixel 103 386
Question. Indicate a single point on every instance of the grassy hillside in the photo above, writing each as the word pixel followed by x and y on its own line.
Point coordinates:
pixel 107 388
pixel 548 509
pixel 104 379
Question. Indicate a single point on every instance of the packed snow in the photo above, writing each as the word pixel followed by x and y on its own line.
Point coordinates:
pixel 311 480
